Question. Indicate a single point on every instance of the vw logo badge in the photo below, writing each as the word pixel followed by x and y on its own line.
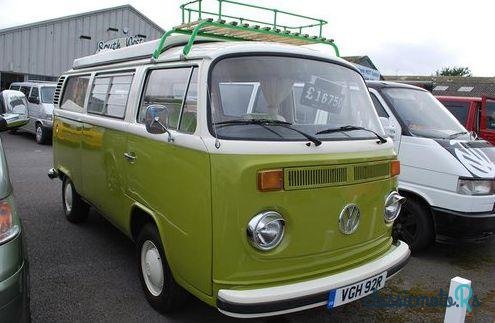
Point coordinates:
pixel 349 219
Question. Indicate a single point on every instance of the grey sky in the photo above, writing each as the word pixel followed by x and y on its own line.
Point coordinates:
pixel 401 37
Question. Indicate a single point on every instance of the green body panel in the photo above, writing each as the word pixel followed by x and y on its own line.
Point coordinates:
pixel 202 203
pixel 313 245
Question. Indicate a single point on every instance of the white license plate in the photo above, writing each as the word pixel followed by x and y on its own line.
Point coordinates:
pixel 350 293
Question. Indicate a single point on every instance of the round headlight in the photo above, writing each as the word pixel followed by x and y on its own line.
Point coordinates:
pixel 393 205
pixel 266 230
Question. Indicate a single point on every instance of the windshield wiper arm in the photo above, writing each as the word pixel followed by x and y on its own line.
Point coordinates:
pixel 265 122
pixel 352 128
pixel 457 134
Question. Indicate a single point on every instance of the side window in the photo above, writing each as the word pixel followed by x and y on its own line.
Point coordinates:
pixel 236 98
pixel 75 92
pixel 15 87
pixel 190 109
pixel 490 115
pixel 34 96
pixel 378 106
pixel 25 90
pixel 109 94
pixel 166 87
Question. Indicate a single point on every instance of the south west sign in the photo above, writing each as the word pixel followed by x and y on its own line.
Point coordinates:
pixel 120 42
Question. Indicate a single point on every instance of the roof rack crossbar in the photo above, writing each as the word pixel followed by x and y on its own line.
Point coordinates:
pixel 217 27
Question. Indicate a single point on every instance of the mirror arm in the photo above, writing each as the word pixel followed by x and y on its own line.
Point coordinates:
pixel 157 120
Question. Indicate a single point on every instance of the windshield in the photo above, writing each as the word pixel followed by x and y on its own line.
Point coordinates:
pixel 424 115
pixel 308 95
pixel 47 94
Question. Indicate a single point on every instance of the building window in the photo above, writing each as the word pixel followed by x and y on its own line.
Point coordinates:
pixel 75 92
pixel 440 88
pixel 465 89
pixel 109 94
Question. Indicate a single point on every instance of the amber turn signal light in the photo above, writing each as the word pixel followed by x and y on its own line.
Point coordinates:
pixel 394 168
pixel 5 217
pixel 271 180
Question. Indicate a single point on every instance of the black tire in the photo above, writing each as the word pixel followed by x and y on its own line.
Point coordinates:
pixel 171 296
pixel 75 209
pixel 415 225
pixel 42 134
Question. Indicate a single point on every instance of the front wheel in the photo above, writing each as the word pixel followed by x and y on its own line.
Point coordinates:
pixel 75 209
pixel 42 134
pixel 160 288
pixel 415 225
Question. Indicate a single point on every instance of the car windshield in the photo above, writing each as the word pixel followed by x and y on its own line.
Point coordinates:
pixel 305 95
pixel 423 114
pixel 47 94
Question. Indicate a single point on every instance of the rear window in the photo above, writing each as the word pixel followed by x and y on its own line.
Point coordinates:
pixel 75 92
pixel 458 109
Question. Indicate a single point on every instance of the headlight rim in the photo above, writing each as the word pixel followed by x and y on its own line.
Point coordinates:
pixel 388 201
pixel 253 225
pixel 468 180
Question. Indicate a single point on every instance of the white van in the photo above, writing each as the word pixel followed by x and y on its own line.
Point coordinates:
pixel 447 173
pixel 40 108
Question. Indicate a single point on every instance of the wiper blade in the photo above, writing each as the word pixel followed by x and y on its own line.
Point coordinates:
pixel 381 140
pixel 265 122
pixel 457 134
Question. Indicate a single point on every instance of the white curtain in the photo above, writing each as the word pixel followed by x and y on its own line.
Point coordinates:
pixel 275 92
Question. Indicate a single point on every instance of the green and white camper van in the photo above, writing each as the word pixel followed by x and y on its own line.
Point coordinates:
pixel 253 175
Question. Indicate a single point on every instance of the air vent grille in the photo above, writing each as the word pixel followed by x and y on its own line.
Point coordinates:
pixel 367 172
pixel 58 90
pixel 311 177
pixel 297 178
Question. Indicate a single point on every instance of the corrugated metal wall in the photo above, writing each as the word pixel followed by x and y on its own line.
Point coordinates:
pixel 50 48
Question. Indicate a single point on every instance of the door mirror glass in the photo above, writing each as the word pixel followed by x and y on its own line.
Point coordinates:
pixel 157 120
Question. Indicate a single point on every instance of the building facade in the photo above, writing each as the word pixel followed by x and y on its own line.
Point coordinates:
pixel 43 50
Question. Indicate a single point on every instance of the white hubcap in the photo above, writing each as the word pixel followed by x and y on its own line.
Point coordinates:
pixel 151 267
pixel 68 197
pixel 39 133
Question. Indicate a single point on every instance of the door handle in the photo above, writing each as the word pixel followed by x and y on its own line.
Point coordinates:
pixel 131 157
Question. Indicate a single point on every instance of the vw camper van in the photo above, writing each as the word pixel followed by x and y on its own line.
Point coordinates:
pixel 447 174
pixel 40 108
pixel 257 211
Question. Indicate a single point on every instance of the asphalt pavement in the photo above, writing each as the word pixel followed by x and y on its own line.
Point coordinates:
pixel 87 272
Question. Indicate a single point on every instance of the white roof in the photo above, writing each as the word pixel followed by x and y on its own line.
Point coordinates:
pixel 209 48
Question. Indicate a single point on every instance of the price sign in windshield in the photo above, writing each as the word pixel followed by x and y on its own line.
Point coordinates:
pixel 323 95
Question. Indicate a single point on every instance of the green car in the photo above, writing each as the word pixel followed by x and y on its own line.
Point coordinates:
pixel 14 292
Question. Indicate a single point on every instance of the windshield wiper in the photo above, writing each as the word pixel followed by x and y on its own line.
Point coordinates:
pixel 267 122
pixel 457 134
pixel 352 128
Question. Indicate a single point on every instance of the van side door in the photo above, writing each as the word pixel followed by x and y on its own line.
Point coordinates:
pixel 394 129
pixel 34 109
pixel 104 141
pixel 487 124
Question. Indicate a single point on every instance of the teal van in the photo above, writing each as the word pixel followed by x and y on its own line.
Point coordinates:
pixel 253 175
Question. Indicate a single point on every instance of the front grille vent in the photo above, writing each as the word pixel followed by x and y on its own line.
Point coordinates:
pixel 310 177
pixel 367 172
pixel 58 90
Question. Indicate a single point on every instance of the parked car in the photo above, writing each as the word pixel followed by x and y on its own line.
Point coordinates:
pixel 476 114
pixel 14 277
pixel 40 98
pixel 251 214
pixel 447 175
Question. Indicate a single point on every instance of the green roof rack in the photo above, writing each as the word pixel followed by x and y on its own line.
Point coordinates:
pixel 198 22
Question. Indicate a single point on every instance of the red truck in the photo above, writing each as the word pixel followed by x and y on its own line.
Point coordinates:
pixel 476 114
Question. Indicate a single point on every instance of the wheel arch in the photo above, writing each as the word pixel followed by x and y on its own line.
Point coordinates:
pixel 139 217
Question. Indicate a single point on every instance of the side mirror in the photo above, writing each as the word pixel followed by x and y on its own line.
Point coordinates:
pixel 10 121
pixel 388 127
pixel 157 120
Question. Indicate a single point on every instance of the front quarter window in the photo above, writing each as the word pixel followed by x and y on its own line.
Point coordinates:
pixel 309 95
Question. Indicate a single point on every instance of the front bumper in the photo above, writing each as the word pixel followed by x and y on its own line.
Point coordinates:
pixel 304 295
pixel 457 226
